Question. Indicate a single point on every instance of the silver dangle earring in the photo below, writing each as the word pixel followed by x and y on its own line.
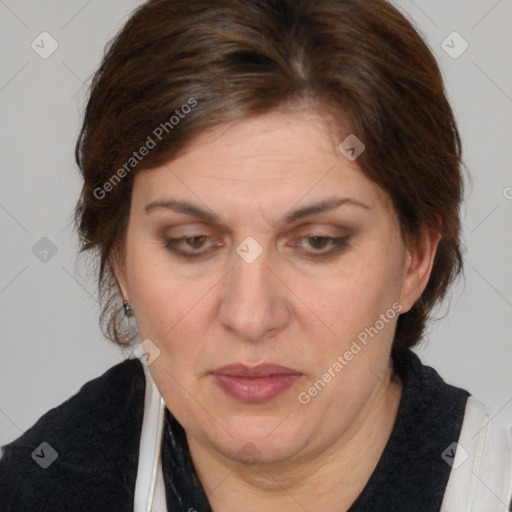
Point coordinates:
pixel 128 310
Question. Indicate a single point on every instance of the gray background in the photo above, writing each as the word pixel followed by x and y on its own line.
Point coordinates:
pixel 50 341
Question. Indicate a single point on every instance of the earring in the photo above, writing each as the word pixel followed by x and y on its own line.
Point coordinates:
pixel 128 310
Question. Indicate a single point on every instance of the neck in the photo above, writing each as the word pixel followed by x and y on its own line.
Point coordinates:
pixel 330 480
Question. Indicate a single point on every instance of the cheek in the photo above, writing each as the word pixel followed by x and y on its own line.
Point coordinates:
pixel 157 293
pixel 361 310
pixel 354 297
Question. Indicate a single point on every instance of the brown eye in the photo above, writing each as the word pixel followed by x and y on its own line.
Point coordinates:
pixel 319 243
pixel 197 241
pixel 187 246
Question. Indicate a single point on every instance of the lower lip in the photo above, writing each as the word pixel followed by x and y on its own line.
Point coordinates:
pixel 256 390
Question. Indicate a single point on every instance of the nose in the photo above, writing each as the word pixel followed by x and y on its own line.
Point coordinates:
pixel 255 303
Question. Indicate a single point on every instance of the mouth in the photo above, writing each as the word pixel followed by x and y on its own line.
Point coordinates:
pixel 255 384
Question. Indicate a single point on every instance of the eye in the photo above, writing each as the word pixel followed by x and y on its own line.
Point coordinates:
pixel 319 243
pixel 197 246
pixel 180 246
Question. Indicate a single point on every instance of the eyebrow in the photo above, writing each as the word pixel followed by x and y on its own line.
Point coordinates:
pixel 300 213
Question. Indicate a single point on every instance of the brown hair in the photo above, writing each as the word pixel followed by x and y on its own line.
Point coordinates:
pixel 228 59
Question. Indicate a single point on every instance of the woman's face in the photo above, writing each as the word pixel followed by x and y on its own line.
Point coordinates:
pixel 232 262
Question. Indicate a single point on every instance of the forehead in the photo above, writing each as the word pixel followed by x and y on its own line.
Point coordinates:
pixel 271 162
pixel 290 138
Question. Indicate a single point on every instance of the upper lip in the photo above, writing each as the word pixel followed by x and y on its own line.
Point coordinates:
pixel 252 372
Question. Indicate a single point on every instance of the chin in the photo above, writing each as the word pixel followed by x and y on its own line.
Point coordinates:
pixel 260 440
pixel 259 452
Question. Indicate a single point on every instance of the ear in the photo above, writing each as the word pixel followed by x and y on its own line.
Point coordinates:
pixel 418 266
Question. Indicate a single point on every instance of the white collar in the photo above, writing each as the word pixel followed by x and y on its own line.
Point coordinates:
pixel 149 486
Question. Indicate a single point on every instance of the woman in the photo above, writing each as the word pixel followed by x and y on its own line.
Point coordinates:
pixel 272 193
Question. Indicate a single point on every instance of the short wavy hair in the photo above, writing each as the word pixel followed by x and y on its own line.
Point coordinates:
pixel 238 58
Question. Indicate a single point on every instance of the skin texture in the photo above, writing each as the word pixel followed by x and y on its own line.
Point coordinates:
pixel 283 308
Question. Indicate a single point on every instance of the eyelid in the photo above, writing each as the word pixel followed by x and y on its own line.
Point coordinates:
pixel 310 229
pixel 337 245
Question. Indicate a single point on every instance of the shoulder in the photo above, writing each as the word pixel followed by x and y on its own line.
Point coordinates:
pixel 481 460
pixel 476 448
pixel 83 453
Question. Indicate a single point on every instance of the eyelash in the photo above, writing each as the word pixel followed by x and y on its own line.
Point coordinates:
pixel 338 243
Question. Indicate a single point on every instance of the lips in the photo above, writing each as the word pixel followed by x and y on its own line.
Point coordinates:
pixel 255 384
pixel 262 370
